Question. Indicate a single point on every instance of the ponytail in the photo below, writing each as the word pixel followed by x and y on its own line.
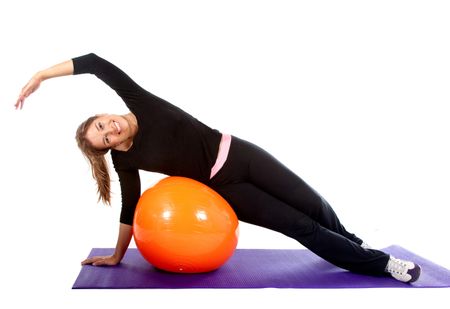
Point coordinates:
pixel 97 160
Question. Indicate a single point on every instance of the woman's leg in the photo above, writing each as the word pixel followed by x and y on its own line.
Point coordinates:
pixel 258 207
pixel 264 192
pixel 258 167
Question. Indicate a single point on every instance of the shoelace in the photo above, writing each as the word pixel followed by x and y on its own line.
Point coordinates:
pixel 397 266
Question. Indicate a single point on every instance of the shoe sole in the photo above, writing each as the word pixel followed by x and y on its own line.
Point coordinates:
pixel 415 273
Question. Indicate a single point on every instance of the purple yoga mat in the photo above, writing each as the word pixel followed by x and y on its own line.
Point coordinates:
pixel 253 268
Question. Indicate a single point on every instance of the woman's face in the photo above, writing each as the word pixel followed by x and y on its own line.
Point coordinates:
pixel 108 131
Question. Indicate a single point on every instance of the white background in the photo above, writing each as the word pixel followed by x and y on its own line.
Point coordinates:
pixel 351 95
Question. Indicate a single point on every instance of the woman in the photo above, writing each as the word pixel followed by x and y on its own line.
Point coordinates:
pixel 157 136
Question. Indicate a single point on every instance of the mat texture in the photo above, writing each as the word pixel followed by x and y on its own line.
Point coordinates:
pixel 253 268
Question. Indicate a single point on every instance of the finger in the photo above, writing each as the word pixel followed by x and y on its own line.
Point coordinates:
pixel 100 262
pixel 89 260
pixel 19 103
pixel 22 101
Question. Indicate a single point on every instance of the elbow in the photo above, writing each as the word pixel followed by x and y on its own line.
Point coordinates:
pixel 93 57
pixel 88 63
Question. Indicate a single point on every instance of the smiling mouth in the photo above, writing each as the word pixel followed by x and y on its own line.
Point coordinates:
pixel 117 127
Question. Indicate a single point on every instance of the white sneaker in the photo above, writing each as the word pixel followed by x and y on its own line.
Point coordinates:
pixel 365 245
pixel 401 270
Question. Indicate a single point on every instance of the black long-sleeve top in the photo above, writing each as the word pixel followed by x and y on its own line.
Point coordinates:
pixel 168 141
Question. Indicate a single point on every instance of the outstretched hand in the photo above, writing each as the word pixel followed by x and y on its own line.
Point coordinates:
pixel 28 89
pixel 109 260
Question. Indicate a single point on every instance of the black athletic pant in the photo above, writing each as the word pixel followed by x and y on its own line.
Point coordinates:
pixel 262 191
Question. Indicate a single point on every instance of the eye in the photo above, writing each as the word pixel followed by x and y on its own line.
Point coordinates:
pixel 107 140
pixel 100 125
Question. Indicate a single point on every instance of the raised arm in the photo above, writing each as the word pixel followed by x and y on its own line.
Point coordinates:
pixel 61 69
pixel 111 75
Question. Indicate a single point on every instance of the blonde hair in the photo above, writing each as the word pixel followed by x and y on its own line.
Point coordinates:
pixel 97 160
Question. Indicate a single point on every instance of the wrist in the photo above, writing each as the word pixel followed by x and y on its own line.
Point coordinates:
pixel 40 76
pixel 117 257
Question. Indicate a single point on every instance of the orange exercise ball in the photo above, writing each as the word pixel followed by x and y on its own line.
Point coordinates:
pixel 181 225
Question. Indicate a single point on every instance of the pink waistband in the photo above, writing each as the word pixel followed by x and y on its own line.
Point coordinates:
pixel 224 148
